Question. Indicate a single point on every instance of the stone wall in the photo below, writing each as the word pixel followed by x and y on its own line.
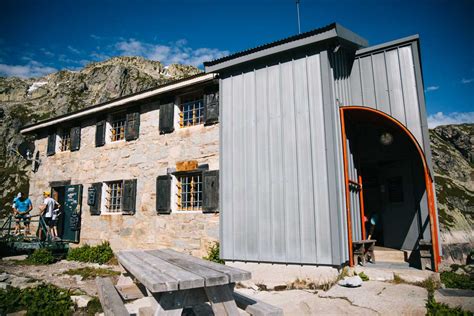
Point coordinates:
pixel 143 159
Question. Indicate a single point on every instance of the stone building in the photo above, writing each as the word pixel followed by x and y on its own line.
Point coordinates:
pixel 142 170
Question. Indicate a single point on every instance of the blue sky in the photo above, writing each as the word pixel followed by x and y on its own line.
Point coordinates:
pixel 39 37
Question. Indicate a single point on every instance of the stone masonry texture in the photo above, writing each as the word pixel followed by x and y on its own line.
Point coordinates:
pixel 143 159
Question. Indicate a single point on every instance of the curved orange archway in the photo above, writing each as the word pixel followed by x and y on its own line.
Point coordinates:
pixel 427 173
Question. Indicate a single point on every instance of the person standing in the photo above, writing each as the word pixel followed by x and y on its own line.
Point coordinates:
pixel 21 207
pixel 47 210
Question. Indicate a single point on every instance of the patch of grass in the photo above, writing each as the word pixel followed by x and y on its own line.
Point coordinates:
pixel 93 307
pixel 42 300
pixel 213 254
pixel 434 308
pixel 41 256
pixel 88 273
pixel 363 276
pixel 96 254
pixel 457 281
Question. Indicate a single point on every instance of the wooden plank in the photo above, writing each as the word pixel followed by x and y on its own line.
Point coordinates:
pixel 256 307
pixel 153 281
pixel 222 300
pixel 211 277
pixel 186 279
pixel 109 298
pixel 234 274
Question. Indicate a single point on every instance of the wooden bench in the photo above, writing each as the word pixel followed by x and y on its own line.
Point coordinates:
pixel 256 307
pixel 176 280
pixel 110 299
pixel 363 250
pixel 426 256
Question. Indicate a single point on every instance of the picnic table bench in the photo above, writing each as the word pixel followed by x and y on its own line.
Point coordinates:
pixel 363 250
pixel 177 281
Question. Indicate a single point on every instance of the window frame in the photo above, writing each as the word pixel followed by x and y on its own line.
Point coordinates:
pixel 177 205
pixel 60 138
pixel 105 208
pixel 191 98
pixel 112 119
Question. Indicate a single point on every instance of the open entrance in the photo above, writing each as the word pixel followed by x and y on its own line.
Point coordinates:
pixel 69 220
pixel 388 186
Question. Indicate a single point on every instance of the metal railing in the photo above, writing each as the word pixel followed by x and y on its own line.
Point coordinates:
pixel 8 227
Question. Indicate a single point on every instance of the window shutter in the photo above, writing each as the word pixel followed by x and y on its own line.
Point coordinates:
pixel 129 197
pixel 100 133
pixel 167 118
pixel 210 198
pixel 94 197
pixel 51 144
pixel 75 138
pixel 163 194
pixel 211 107
pixel 132 126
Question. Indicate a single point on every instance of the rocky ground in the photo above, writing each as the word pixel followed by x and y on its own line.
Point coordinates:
pixel 388 292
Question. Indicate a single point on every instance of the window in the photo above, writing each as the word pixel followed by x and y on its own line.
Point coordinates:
pixel 191 110
pixel 114 194
pixel 117 127
pixel 189 192
pixel 65 139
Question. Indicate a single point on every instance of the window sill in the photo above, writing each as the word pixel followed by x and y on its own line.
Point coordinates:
pixel 186 212
pixel 111 213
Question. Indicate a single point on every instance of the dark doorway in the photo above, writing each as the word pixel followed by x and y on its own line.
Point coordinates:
pixel 58 193
pixel 394 188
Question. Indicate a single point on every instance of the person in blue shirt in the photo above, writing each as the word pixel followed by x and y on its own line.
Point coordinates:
pixel 22 207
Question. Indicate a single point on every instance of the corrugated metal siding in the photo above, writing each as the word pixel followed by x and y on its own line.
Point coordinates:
pixel 385 80
pixel 280 185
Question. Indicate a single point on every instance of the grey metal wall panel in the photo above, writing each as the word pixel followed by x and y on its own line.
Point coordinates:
pixel 355 84
pixel 280 189
pixel 304 162
pixel 276 165
pixel 380 82
pixel 250 164
pixel 264 208
pixel 226 163
pixel 320 175
pixel 239 212
pixel 368 88
pixel 293 245
pixel 386 80
pixel 410 93
pixel 395 85
pixel 334 167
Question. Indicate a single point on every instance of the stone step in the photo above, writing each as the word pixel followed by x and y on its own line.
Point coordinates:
pixel 383 254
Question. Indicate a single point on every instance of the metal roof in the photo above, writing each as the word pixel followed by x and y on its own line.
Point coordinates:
pixel 329 31
pixel 170 86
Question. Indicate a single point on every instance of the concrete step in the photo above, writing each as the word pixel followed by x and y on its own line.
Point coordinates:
pixel 383 254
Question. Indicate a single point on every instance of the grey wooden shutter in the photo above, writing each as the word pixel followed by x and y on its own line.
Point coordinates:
pixel 51 144
pixel 167 118
pixel 75 138
pixel 96 189
pixel 210 198
pixel 132 126
pixel 100 133
pixel 163 194
pixel 129 197
pixel 211 106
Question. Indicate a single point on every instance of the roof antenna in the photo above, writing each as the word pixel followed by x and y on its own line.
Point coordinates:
pixel 298 12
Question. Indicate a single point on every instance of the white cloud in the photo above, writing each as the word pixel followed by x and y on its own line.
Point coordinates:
pixel 74 50
pixel 450 118
pixel 431 88
pixel 177 52
pixel 31 69
pixel 466 81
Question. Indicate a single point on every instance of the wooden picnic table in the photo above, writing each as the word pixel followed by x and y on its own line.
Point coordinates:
pixel 177 280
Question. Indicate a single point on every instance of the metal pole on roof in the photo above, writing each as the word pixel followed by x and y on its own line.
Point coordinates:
pixel 298 13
